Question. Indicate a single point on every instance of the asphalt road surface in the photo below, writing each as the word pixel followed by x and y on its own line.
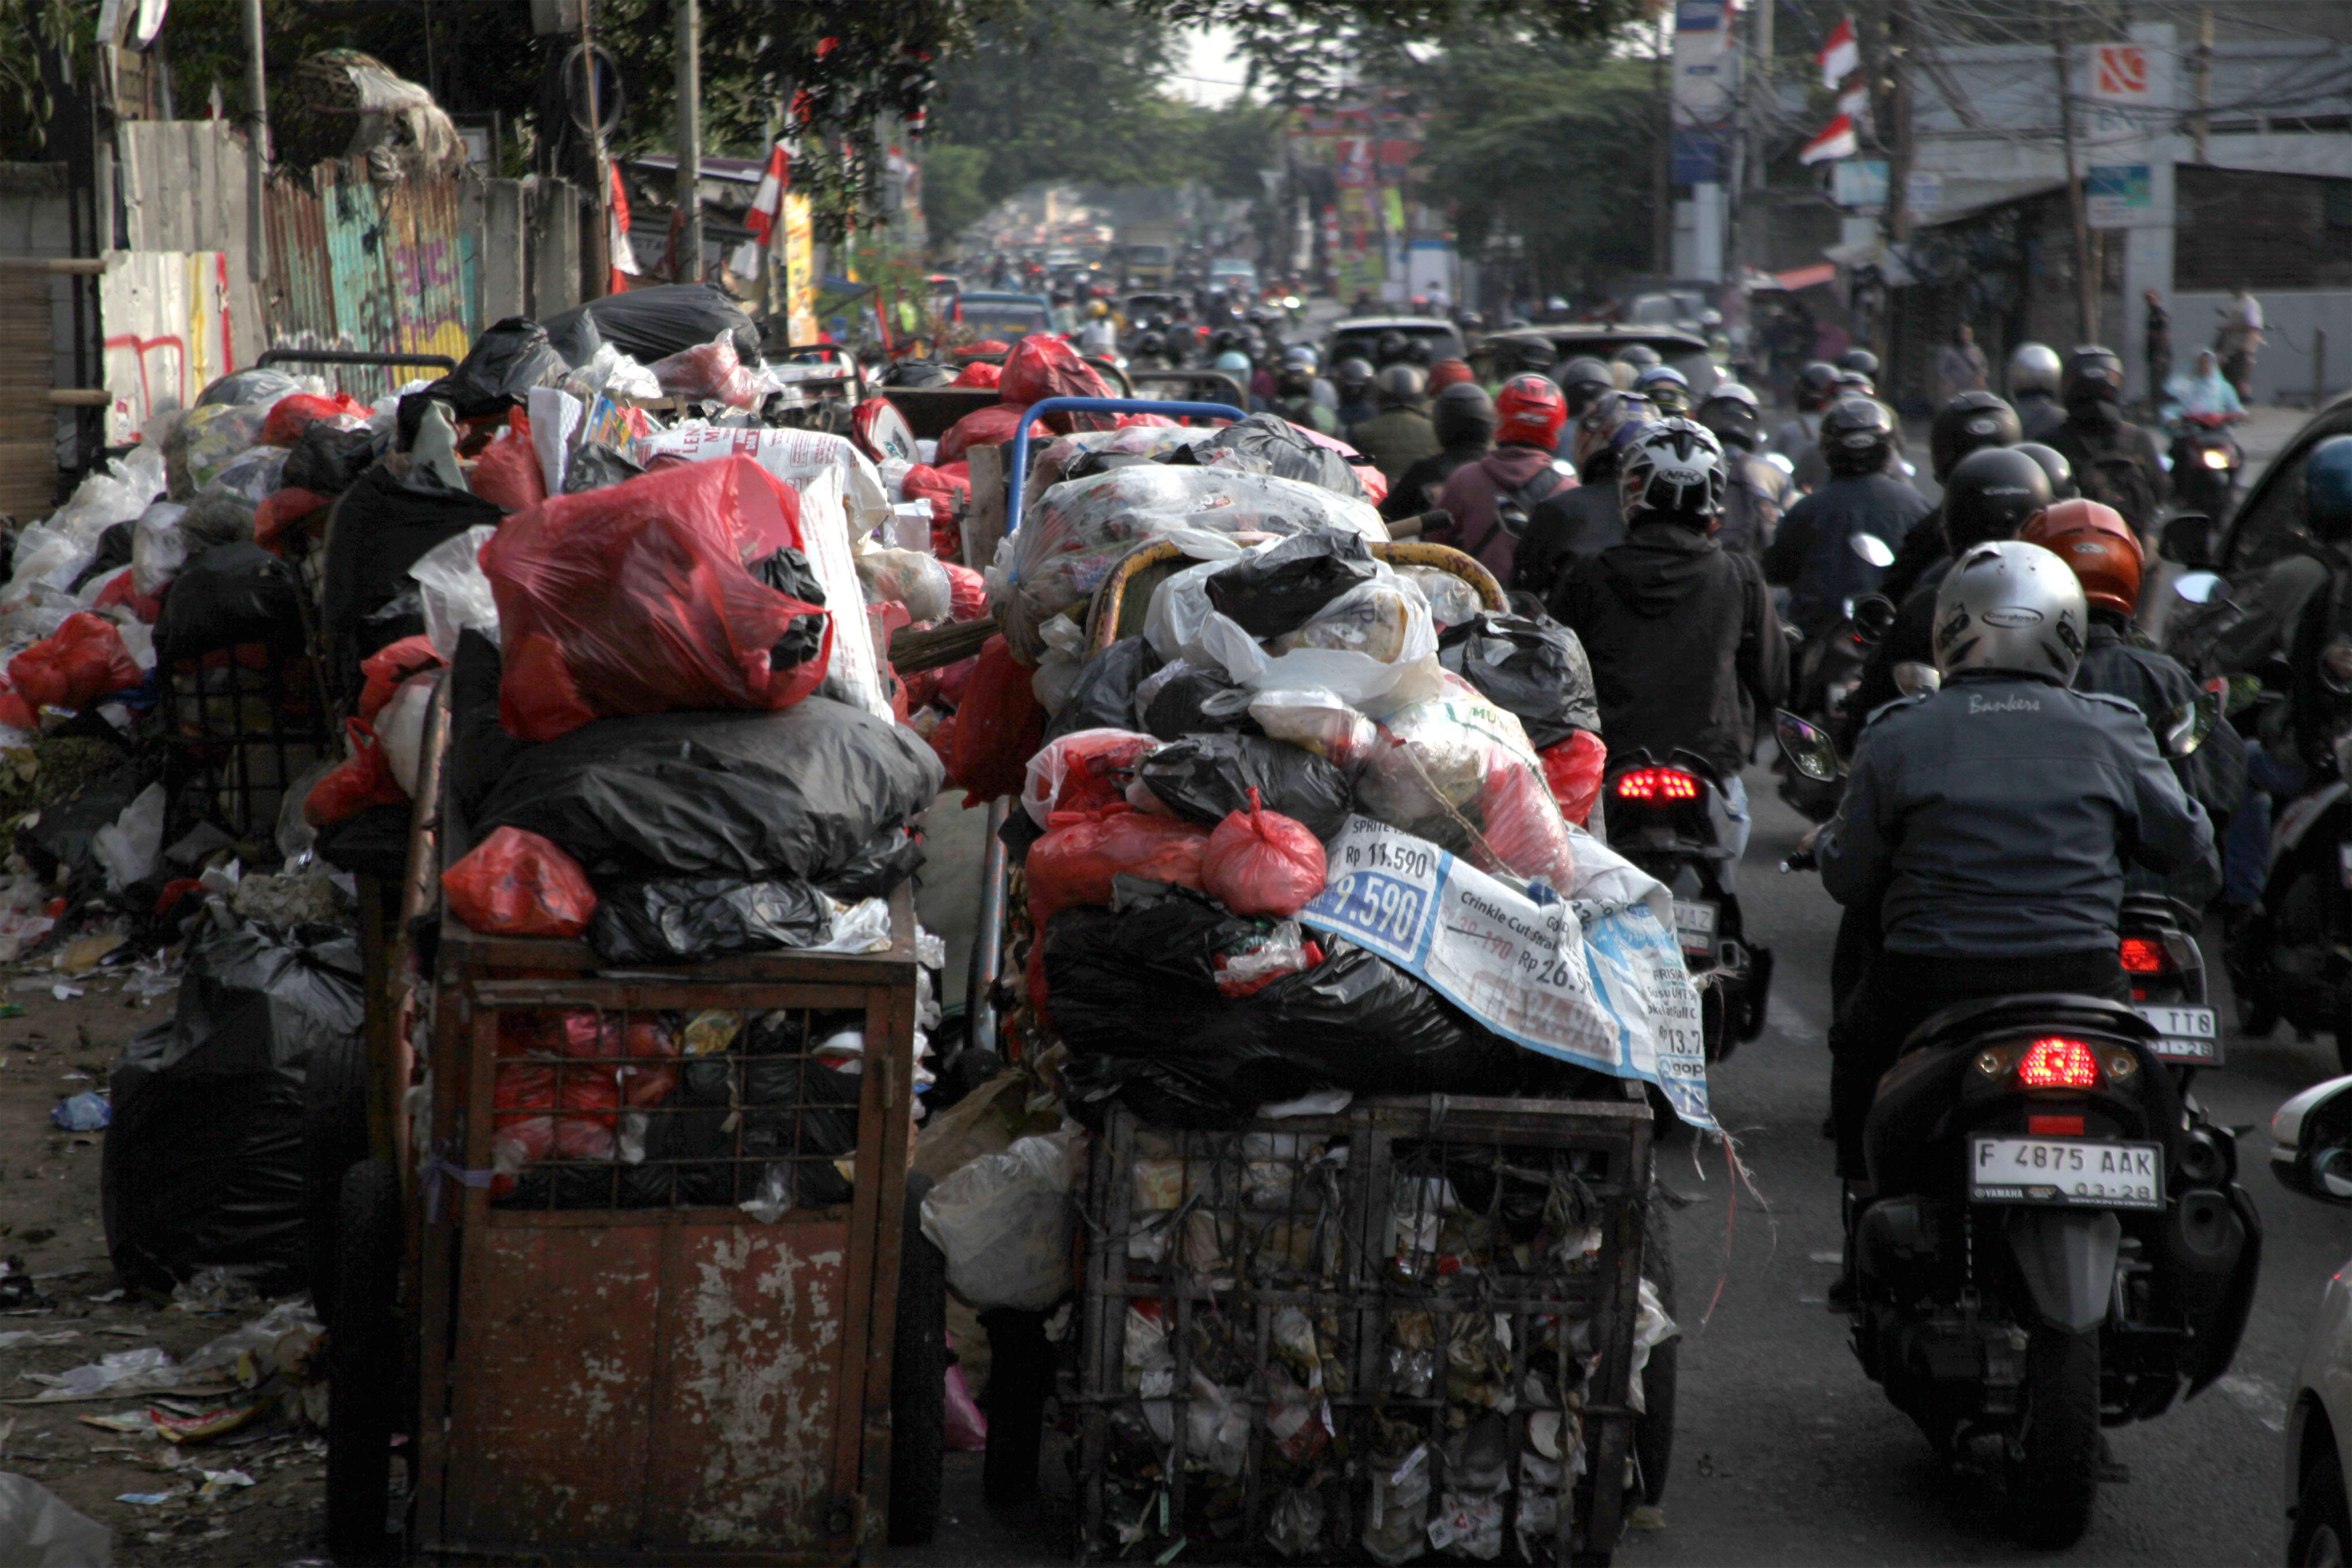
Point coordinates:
pixel 1784 1452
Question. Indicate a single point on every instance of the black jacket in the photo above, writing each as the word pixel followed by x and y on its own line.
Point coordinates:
pixel 2095 451
pixel 1683 643
pixel 1415 490
pixel 1811 553
pixel 2120 663
pixel 1568 525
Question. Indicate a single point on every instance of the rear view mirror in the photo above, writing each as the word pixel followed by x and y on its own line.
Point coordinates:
pixel 1873 618
pixel 2188 540
pixel 1871 548
pixel 1912 677
pixel 2199 588
pixel 1809 750
pixel 2311 1142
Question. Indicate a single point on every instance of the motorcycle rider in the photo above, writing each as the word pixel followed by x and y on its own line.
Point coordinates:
pixel 1813 554
pixel 1760 491
pixel 2033 372
pixel 1680 632
pixel 1988 824
pixel 1294 399
pixel 1971 422
pixel 1518 475
pixel 2054 464
pixel 1463 418
pixel 1667 387
pixel 1584 520
pixel 1582 379
pixel 1799 439
pixel 1448 373
pixel 2115 461
pixel 1352 378
pixel 1399 434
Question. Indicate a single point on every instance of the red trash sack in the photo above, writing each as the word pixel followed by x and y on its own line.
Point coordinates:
pixel 15 712
pixel 508 474
pixel 1260 862
pixel 119 591
pixel 1573 768
pixel 280 511
pixel 967 592
pixel 980 373
pixel 390 665
pixel 1083 850
pixel 1082 771
pixel 515 883
pixel 523 1099
pixel 989 426
pixel 1041 367
pixel 1000 726
pixel 362 780
pixel 290 416
pixel 81 661
pixel 636 599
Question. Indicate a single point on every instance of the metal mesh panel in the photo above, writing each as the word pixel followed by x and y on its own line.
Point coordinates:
pixel 246 722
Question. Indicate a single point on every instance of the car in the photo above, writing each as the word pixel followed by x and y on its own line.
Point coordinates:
pixel 1358 337
pixel 1685 351
pixel 1145 305
pixel 1004 317
pixel 943 285
pixel 2311 1155
pixel 1231 272
pixel 1063 260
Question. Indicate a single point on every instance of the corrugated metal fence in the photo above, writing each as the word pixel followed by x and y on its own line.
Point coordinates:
pixel 363 267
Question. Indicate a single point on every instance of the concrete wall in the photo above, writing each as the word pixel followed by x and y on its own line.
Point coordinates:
pixel 2283 369
pixel 37 307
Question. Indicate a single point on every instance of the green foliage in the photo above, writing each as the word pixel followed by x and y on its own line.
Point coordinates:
pixel 28 27
pixel 952 199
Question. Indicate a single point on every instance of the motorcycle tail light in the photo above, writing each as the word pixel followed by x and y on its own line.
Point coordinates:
pixel 2058 1063
pixel 2144 955
pixel 2053 1126
pixel 1658 787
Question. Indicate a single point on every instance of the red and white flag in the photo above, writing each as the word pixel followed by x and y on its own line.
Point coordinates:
pixel 624 260
pixel 1854 102
pixel 1841 54
pixel 1836 141
pixel 766 202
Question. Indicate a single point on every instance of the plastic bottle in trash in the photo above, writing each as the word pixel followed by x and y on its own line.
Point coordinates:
pixel 85 1112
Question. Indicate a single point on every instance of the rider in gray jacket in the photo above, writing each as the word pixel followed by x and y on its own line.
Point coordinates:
pixel 1989 822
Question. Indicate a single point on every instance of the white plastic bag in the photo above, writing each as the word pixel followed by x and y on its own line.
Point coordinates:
pixel 457 591
pixel 796 456
pixel 158 547
pixel 1374 647
pixel 401 727
pixel 1316 720
pixel 913 578
pixel 128 846
pixel 38 1530
pixel 1040 788
pixel 1004 1220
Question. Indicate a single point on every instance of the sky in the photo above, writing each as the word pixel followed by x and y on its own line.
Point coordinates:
pixel 1209 71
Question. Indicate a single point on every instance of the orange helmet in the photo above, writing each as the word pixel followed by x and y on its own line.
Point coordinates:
pixel 1448 373
pixel 2098 545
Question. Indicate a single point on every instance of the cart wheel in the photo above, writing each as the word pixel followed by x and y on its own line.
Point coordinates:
pixel 1653 1430
pixel 364 1363
pixel 334 1139
pixel 919 1381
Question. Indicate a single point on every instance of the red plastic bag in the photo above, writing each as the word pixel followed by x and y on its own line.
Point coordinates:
pixel 711 370
pixel 1084 771
pixel 119 591
pixel 967 592
pixel 1041 367
pixel 1260 862
pixel 980 373
pixel 636 599
pixel 1083 850
pixel 521 1101
pixel 515 883
pixel 999 728
pixel 15 712
pixel 1573 768
pixel 289 416
pixel 390 665
pixel 81 661
pixel 282 510
pixel 989 426
pixel 508 474
pixel 586 1034
pixel 364 780
pixel 986 346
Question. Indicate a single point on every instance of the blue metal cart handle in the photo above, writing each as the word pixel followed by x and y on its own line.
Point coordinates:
pixel 1090 405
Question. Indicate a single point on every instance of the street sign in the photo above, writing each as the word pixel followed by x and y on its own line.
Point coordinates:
pixel 1859 182
pixel 2121 73
pixel 1923 193
pixel 2118 196
pixel 1700 156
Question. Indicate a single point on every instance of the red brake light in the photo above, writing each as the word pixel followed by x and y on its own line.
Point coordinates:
pixel 1657 785
pixel 2058 1063
pixel 2054 1126
pixel 2142 956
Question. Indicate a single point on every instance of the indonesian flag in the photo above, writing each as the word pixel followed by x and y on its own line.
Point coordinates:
pixel 1836 141
pixel 1840 55
pixel 1854 102
pixel 766 203
pixel 624 260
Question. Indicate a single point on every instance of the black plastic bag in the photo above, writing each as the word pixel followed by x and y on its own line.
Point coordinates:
pixel 595 465
pixel 380 527
pixel 787 571
pixel 1269 444
pixel 375 843
pixel 60 838
pixel 231 594
pixel 203 1165
pixel 325 460
pixel 479 747
pixel 683 920
pixel 1206 778
pixel 916 373
pixel 761 1102
pixel 216 519
pixel 260 384
pixel 1199 701
pixel 791 795
pixel 890 857
pixel 113 554
pixel 1103 697
pixel 648 324
pixel 1529 665
pixel 498 372
pixel 1284 586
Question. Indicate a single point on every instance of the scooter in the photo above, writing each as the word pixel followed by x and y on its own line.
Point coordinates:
pixel 2294 960
pixel 1828 669
pixel 1668 819
pixel 2205 459
pixel 2055 1240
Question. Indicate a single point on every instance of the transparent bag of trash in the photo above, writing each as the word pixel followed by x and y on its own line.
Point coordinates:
pixel 1374 647
pixel 37 1530
pixel 1457 770
pixel 1004 1221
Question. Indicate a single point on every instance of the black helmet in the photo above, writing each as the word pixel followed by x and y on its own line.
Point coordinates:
pixel 1968 423
pixel 1535 356
pixel 1400 386
pixel 1416 351
pixel 1462 413
pixel 918 373
pixel 1861 360
pixel 1641 356
pixel 1854 384
pixel 1293 381
pixel 2094 375
pixel 1816 386
pixel 1389 349
pixel 1583 378
pixel 1989 494
pixel 1857 437
pixel 1732 412
pixel 1672 468
pixel 1353 377
pixel 2054 464
pixel 1152 343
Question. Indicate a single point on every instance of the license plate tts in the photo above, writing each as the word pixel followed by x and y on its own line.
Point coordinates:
pixel 2192 1035
pixel 1695 926
pixel 2073 1172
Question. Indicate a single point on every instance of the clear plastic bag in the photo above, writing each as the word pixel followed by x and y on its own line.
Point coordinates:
pixel 1457 771
pixel 1452 601
pixel 708 371
pixel 1005 1221
pixel 1082 771
pixel 252 475
pixel 455 591
pixel 912 578
pixel 37 1530
pixel 1318 722
pixel 158 548
pixel 1374 647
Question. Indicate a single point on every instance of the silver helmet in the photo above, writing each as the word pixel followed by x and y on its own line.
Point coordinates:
pixel 2034 367
pixel 2012 606
pixel 1673 468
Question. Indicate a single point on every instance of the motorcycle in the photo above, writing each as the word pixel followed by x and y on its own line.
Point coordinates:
pixel 1827 670
pixel 1668 819
pixel 2205 459
pixel 2055 1240
pixel 2293 959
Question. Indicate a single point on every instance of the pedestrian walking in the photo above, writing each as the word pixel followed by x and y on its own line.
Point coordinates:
pixel 2239 339
pixel 1960 365
pixel 2156 339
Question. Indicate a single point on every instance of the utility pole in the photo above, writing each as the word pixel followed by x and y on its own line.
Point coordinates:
pixel 2200 127
pixel 601 249
pixel 1899 121
pixel 2086 282
pixel 689 139
pixel 1662 190
pixel 256 152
